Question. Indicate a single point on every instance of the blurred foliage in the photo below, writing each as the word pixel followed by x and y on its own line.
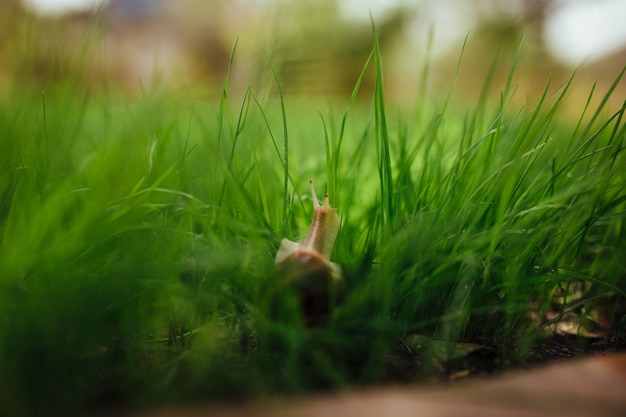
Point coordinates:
pixel 315 48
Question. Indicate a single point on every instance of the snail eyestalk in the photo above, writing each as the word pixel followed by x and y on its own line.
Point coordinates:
pixel 324 227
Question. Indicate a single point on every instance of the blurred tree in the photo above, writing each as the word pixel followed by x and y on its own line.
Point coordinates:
pixel 318 50
pixel 12 13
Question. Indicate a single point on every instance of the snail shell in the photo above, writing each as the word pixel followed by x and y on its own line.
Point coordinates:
pixel 306 266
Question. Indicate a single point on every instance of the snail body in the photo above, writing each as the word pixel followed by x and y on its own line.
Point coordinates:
pixel 306 267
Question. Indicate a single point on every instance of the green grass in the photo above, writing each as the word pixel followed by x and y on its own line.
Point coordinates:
pixel 137 240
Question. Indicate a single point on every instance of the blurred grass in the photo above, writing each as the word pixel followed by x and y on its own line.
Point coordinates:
pixel 137 237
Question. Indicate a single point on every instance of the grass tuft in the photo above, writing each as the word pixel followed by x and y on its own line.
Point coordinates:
pixel 136 245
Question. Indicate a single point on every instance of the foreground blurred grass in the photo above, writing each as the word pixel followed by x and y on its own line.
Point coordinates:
pixel 137 238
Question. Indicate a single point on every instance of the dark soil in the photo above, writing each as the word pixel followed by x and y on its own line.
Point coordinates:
pixel 404 366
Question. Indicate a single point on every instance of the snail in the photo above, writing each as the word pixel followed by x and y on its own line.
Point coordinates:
pixel 306 267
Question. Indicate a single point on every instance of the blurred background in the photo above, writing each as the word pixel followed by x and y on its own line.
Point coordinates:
pixel 317 47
